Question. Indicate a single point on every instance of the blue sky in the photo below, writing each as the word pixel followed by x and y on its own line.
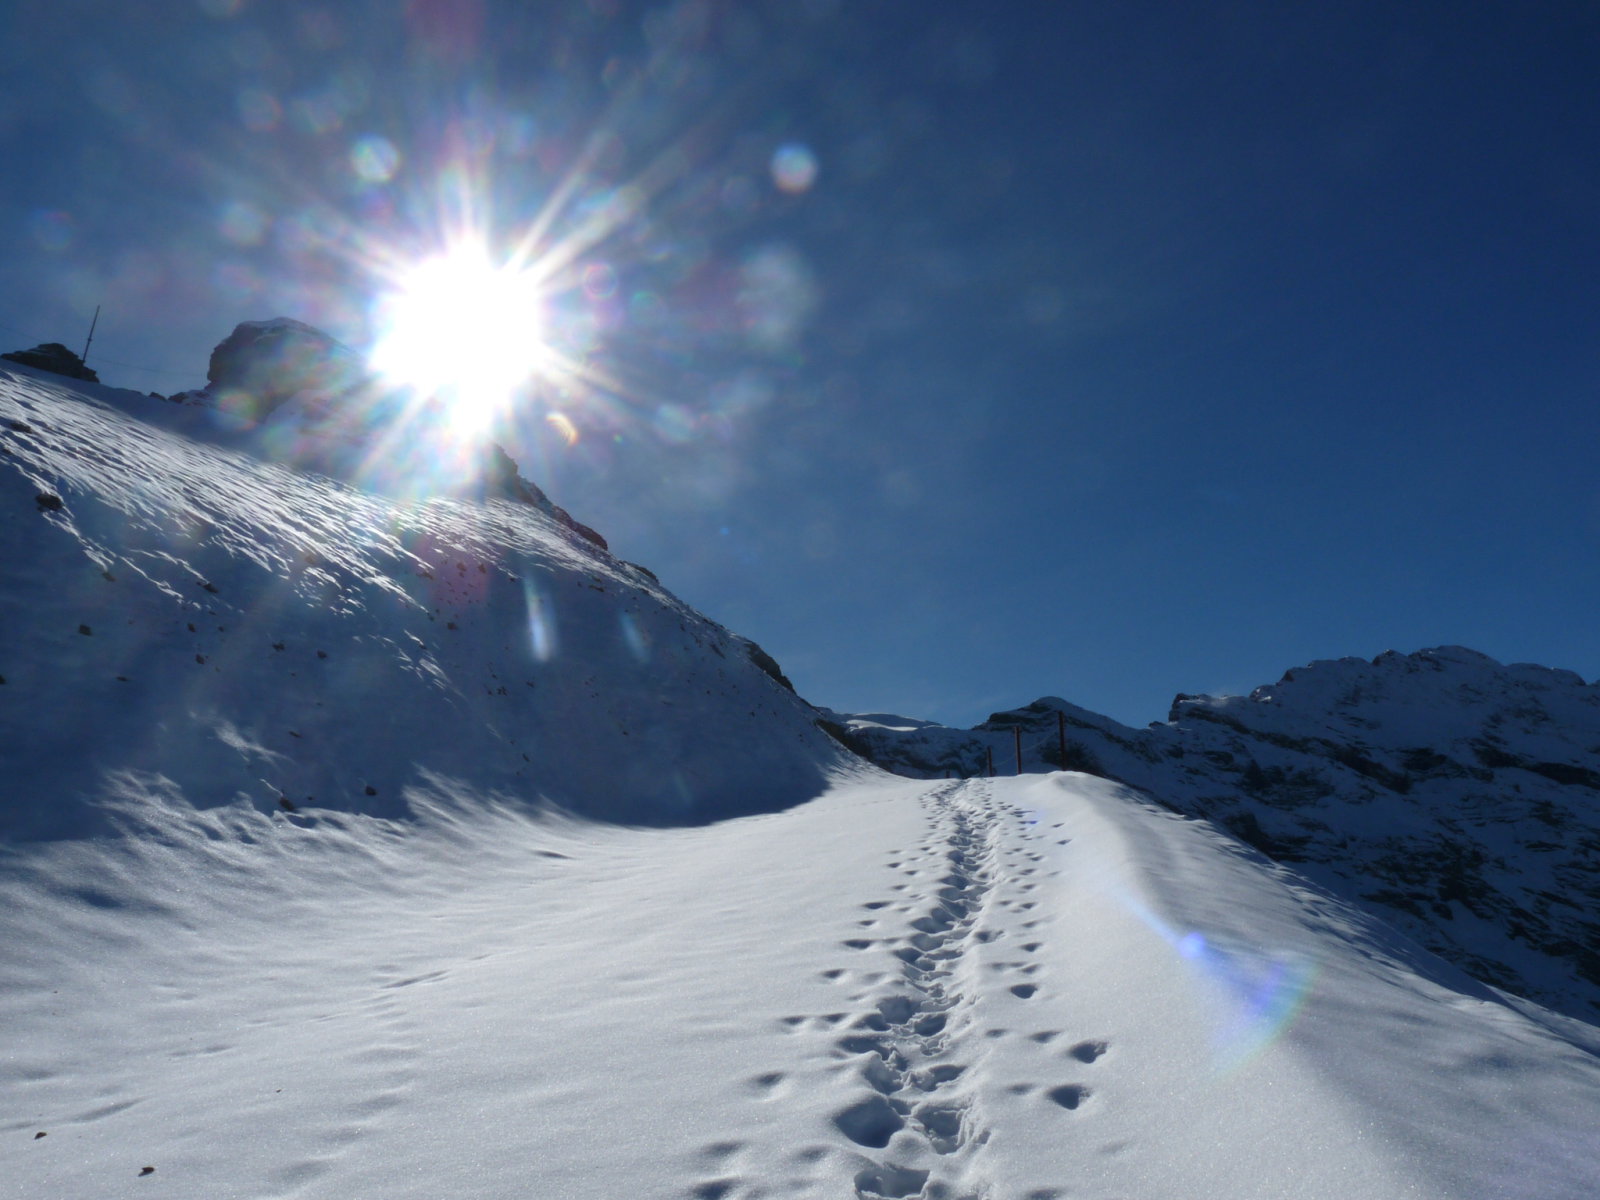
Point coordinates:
pixel 1110 351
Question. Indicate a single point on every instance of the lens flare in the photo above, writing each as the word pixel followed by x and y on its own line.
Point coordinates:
pixel 794 167
pixel 1262 990
pixel 563 426
pixel 541 624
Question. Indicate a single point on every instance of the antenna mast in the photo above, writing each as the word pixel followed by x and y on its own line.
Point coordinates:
pixel 92 324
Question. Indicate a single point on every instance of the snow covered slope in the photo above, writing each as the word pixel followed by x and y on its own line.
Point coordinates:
pixel 176 608
pixel 1457 797
pixel 994 990
pixel 284 916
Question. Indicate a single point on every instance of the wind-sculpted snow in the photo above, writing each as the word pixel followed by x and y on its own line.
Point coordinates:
pixel 983 990
pixel 251 632
pixel 1458 797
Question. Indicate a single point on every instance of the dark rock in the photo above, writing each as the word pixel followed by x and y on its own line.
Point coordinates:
pixel 55 358
pixel 501 478
pixel 765 662
pixel 261 364
pixel 48 501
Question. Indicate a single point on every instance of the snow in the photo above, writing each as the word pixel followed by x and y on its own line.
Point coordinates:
pixel 807 978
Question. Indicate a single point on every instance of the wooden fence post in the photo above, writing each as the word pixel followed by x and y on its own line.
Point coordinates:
pixel 1016 732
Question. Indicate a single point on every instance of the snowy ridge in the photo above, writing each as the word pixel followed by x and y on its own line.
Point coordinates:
pixel 250 632
pixel 1457 797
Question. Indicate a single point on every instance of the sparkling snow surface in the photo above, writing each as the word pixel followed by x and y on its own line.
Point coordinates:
pixel 1016 989
pixel 994 988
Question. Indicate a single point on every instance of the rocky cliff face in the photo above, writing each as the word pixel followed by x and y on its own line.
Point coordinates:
pixel 1456 796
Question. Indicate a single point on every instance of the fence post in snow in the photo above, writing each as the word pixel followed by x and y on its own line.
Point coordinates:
pixel 989 750
pixel 1017 734
pixel 1061 736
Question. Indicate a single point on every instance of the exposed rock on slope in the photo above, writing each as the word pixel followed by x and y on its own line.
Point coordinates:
pixel 55 358
pixel 262 364
pixel 1457 796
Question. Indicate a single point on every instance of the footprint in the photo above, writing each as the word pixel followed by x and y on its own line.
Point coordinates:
pixel 1023 991
pixel 876 904
pixel 1087 1052
pixel 871 1122
pixel 1069 1095
pixel 942 1125
pixel 890 1181
pixel 836 974
pixel 1048 1035
pixel 933 1077
pixel 858 943
pixel 765 1085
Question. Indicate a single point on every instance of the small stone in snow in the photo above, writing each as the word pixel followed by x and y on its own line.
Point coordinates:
pixel 85 630
pixel 38 1135
pixel 147 1170
pixel 47 501
pixel 371 791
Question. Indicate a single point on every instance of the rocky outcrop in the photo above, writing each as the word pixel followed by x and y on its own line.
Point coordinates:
pixel 501 478
pixel 1456 796
pixel 263 364
pixel 55 358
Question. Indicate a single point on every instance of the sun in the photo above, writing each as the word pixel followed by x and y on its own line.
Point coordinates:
pixel 463 330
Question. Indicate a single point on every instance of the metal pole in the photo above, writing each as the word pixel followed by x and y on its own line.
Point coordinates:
pixel 1061 735
pixel 92 324
pixel 1016 733
pixel 989 750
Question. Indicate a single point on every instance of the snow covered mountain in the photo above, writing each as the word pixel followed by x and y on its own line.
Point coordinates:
pixel 369 832
pixel 1457 797
pixel 178 605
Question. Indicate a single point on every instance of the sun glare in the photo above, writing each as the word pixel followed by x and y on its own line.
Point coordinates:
pixel 465 331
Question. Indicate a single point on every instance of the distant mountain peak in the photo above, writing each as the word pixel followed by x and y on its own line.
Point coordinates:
pixel 1457 795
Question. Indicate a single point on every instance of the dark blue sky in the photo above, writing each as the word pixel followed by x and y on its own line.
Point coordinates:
pixel 1114 350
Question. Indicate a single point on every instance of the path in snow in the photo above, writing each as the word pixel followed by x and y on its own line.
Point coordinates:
pixel 952 991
